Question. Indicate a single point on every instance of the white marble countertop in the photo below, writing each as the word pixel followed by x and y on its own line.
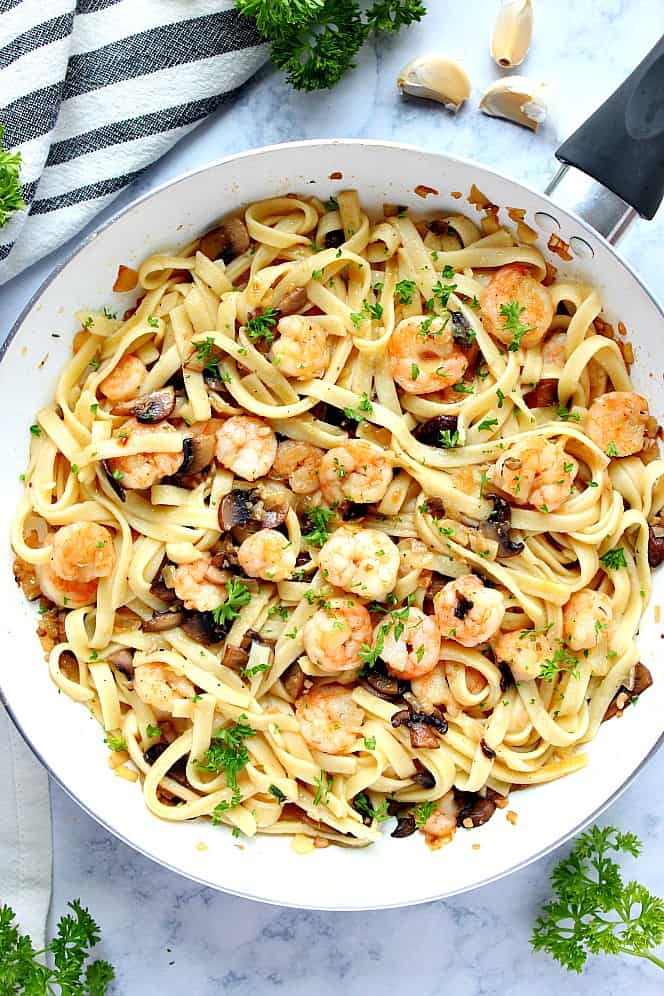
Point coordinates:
pixel 163 933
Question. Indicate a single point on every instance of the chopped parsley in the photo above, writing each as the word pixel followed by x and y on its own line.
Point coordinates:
pixel 423 812
pixel 500 396
pixel 614 559
pixel 612 450
pixel 562 660
pixel 228 753
pixel 462 388
pixel 115 742
pixel 238 596
pixel 152 731
pixel 441 292
pixel 404 290
pixel 261 326
pixel 511 313
pixel 414 371
pixel 277 793
pixel 370 743
pixel 363 806
pixel 153 322
pixel 319 519
pixel 563 412
pixel 449 439
pixel 323 786
pixel 35 430
pixel 487 424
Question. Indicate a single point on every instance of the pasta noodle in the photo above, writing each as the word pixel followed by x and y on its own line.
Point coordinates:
pixel 347 517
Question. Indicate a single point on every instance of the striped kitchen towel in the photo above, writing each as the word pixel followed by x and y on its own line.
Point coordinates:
pixel 94 91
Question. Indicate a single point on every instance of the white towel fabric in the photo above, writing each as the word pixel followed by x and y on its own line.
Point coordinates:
pixel 25 834
pixel 93 91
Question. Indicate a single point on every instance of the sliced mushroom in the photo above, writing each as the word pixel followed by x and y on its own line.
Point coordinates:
pixel 335 416
pixel 334 239
pixel 655 545
pixel 516 99
pixel 113 481
pixel 293 301
pixel 384 685
pixel 227 241
pixel 436 78
pixel 641 679
pixel 486 750
pixel 497 527
pixel 425 779
pixel 161 590
pixel 234 657
pixel 293 681
pixel 462 333
pixel 429 432
pixel 474 811
pixel 236 508
pixel 161 621
pixel 405 827
pixel 421 726
pixel 156 406
pixel 506 676
pixel 543 394
pixel 123 661
pixel 177 771
pixel 435 507
pixel 351 510
pixel 198 454
pixel 200 626
pixel 512 33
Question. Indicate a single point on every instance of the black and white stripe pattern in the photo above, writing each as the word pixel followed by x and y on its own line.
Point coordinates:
pixel 93 91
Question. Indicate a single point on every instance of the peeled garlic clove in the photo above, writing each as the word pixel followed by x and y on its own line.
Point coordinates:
pixel 437 78
pixel 512 33
pixel 516 98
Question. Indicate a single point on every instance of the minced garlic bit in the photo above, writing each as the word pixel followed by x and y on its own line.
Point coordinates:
pixel 511 817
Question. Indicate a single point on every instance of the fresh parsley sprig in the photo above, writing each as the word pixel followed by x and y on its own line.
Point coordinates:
pixel 227 752
pixel 238 596
pixel 511 314
pixel 11 198
pixel 593 911
pixel 319 519
pixel 315 41
pixel 72 975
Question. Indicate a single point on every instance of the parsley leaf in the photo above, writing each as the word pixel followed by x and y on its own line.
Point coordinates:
pixel 227 752
pixel 423 812
pixel 323 786
pixel 449 439
pixel 593 911
pixel 319 519
pixel 238 596
pixel 260 326
pixel 23 971
pixel 362 804
pixel 11 198
pixel 614 559
pixel 563 412
pixel 404 290
pixel 511 313
pixel 562 660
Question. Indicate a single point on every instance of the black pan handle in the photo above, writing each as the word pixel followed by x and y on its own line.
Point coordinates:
pixel 622 144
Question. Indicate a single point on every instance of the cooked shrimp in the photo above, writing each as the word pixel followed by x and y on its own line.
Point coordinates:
pixel 83 552
pixel 160 686
pixel 416 648
pixel 443 821
pixel 364 561
pixel 199 585
pixel 617 422
pixel 355 471
pixel 301 351
pixel 467 611
pixel 553 349
pixel 514 285
pixel 433 689
pixel 424 356
pixel 334 634
pixel 267 554
pixel 142 470
pixel 329 718
pixel 536 472
pixel 586 619
pixel 298 462
pixel 125 380
pixel 246 446
pixel 524 650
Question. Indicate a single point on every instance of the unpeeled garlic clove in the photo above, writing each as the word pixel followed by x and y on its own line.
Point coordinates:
pixel 436 78
pixel 517 99
pixel 512 33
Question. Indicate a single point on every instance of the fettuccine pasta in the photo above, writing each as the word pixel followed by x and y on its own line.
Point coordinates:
pixel 347 518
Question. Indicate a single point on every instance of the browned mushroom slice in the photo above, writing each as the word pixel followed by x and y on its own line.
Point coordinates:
pixel 201 626
pixel 293 301
pixel 293 681
pixel 422 726
pixel 462 333
pixel 198 454
pixel 497 527
pixel 406 826
pixel 474 811
pixel 236 508
pixel 156 406
pixel 225 242
pixel 543 394
pixel 430 432
pixel 123 661
pixel 655 545
pixel 384 685
pixel 235 657
pixel 161 621
pixel 626 695
pixel 113 481
pixel 160 589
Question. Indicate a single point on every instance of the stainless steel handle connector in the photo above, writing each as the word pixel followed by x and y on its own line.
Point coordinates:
pixel 607 213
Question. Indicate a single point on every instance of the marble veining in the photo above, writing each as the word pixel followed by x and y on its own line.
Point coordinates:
pixel 166 934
